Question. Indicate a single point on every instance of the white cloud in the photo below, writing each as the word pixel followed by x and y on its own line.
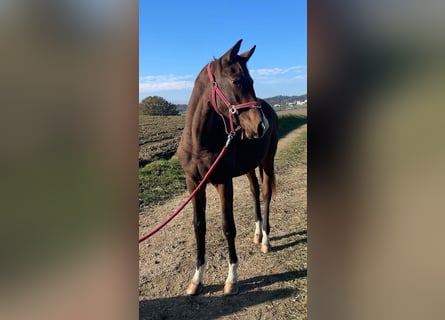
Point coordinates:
pixel 268 82
pixel 149 84
pixel 277 73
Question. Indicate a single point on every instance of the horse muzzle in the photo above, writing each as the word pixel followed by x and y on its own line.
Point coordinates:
pixel 257 131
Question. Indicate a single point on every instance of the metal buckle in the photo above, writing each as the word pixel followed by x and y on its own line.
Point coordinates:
pixel 233 109
pixel 230 137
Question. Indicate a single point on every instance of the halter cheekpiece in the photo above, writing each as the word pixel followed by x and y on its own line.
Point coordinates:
pixel 233 109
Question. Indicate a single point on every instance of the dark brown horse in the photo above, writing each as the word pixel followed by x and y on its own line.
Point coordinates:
pixel 223 102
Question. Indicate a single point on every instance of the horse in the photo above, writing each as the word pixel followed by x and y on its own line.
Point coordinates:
pixel 223 109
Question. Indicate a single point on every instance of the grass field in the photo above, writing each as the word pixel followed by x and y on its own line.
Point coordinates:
pixel 160 175
pixel 158 137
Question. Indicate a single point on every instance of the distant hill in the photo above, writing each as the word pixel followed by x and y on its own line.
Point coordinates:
pixel 181 107
pixel 284 100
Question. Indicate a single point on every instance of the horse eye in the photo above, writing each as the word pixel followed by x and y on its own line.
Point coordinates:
pixel 236 82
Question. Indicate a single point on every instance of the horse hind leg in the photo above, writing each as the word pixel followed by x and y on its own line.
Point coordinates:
pixel 268 188
pixel 255 189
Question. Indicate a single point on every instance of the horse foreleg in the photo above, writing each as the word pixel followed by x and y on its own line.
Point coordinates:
pixel 199 223
pixel 228 224
pixel 255 189
pixel 268 188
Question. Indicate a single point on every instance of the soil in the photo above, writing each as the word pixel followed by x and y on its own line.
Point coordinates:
pixel 272 285
pixel 158 137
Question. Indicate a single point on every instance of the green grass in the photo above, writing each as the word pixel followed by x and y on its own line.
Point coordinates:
pixel 289 122
pixel 160 180
pixel 295 154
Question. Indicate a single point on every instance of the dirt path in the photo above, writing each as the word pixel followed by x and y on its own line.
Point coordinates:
pixel 271 285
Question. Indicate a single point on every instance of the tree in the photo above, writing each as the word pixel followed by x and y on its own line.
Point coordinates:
pixel 157 106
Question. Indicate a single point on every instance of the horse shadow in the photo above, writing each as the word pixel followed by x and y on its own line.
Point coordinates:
pixel 205 306
pixel 289 244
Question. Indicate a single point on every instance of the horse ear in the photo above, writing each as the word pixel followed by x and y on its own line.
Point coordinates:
pixel 246 55
pixel 231 55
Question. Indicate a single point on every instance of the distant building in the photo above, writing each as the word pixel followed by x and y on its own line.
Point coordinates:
pixel 301 102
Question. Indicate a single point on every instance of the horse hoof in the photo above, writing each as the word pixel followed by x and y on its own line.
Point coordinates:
pixel 231 289
pixel 194 289
pixel 257 239
pixel 266 248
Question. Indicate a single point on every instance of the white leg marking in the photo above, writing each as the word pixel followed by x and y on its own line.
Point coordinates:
pixel 265 238
pixel 232 277
pixel 199 273
pixel 265 244
pixel 258 227
pixel 257 236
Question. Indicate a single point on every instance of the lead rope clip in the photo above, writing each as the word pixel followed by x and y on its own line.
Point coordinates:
pixel 230 137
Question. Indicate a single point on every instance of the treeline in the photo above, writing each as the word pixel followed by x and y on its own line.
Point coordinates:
pixel 157 106
pixel 283 100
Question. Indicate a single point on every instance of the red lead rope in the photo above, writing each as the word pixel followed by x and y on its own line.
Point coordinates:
pixel 232 110
pixel 186 201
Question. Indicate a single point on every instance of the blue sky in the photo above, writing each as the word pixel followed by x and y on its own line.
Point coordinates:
pixel 178 38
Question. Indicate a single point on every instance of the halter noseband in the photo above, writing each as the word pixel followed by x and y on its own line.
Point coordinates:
pixel 233 109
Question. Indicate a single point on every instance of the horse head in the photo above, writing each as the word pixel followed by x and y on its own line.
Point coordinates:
pixel 233 86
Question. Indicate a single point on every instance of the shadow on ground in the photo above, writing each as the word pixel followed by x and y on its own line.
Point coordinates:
pixel 205 306
pixel 289 244
pixel 290 122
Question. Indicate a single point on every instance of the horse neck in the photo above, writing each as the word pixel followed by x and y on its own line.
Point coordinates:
pixel 204 127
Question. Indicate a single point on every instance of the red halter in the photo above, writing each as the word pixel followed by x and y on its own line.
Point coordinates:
pixel 233 109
